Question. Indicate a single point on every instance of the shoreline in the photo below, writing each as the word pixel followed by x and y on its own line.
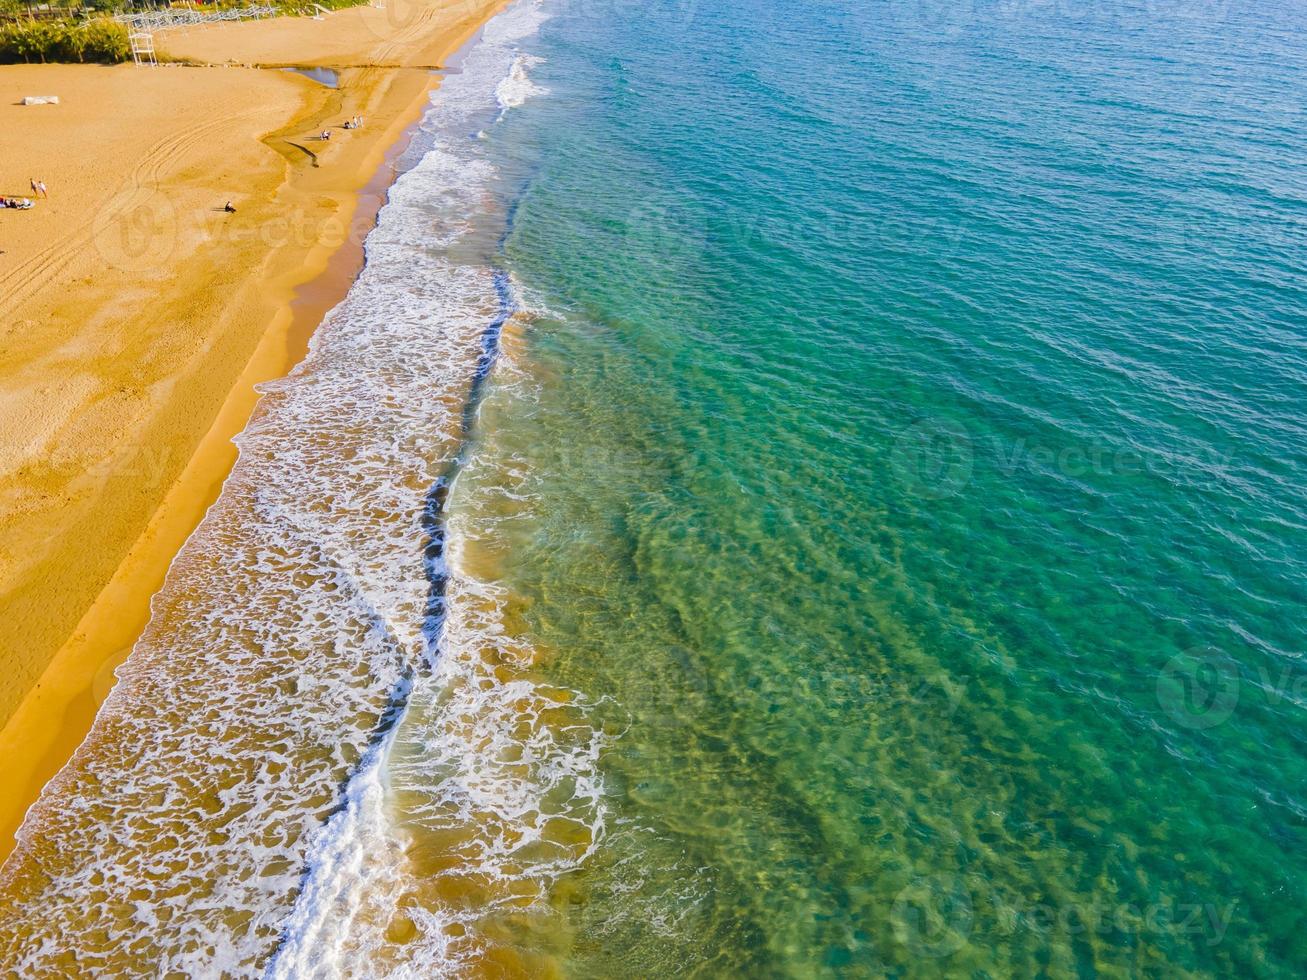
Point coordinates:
pixel 55 715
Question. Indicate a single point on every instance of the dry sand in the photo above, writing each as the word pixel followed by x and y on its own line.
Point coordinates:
pixel 395 35
pixel 136 315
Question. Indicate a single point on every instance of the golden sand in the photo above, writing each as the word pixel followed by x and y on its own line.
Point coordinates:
pixel 136 315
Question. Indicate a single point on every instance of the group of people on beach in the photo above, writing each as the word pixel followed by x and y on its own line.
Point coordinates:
pixel 353 122
pixel 23 203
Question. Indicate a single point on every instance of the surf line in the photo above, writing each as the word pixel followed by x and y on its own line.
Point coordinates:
pixel 318 905
pixel 433 513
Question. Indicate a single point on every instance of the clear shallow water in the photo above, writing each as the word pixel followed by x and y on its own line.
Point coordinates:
pixel 918 441
pixel 797 491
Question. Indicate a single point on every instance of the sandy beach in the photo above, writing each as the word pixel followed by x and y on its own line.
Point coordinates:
pixel 137 315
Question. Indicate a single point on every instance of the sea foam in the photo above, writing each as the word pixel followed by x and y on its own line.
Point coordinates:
pixel 514 90
pixel 234 808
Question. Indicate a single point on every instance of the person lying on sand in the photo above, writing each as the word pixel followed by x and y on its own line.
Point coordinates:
pixel 21 203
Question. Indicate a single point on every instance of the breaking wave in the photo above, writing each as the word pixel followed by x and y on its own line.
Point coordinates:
pixel 296 773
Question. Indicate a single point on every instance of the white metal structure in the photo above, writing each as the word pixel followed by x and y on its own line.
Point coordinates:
pixel 142 48
pixel 152 20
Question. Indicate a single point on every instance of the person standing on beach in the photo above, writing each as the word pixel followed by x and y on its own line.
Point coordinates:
pixel 40 186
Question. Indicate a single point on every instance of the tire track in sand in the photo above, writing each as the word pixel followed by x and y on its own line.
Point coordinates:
pixel 23 280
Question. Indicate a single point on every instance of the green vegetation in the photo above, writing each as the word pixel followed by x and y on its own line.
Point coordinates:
pixel 79 31
pixel 58 9
pixel 92 41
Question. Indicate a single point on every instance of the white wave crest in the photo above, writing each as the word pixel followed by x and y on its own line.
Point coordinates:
pixel 517 88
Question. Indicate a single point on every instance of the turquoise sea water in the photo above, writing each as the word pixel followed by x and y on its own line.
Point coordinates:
pixel 797 490
pixel 915 404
